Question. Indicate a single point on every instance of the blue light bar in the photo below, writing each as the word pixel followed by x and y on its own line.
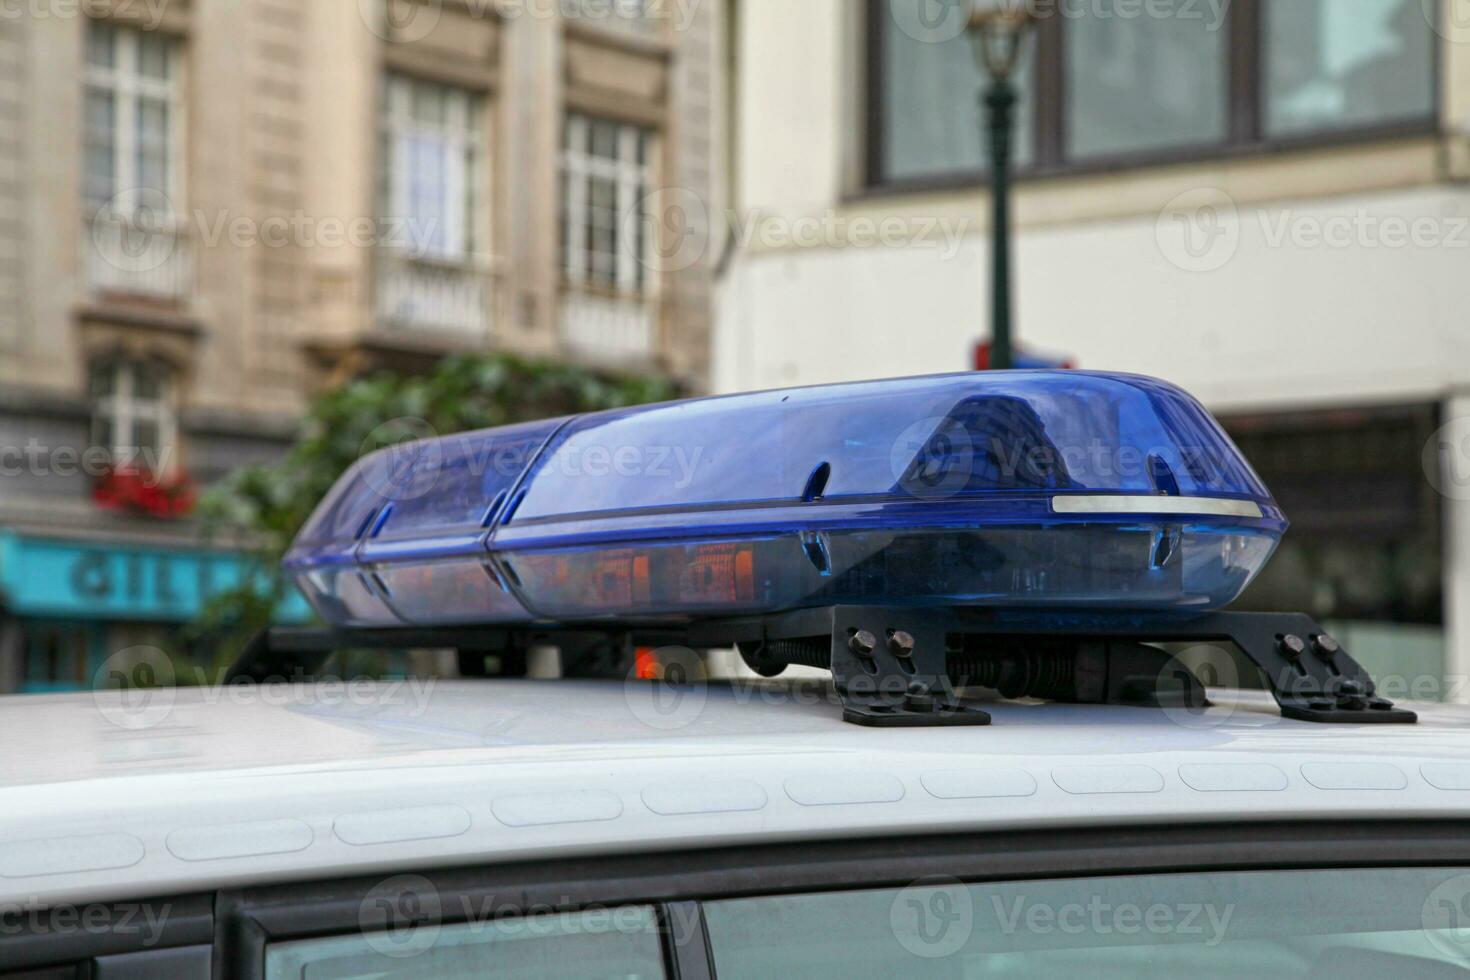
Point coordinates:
pixel 1018 490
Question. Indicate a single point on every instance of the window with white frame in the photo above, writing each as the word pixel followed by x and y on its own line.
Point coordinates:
pixel 605 182
pixel 133 413
pixel 432 173
pixel 132 120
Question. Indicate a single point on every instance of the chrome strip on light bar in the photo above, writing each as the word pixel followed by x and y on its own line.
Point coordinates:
pixel 1103 504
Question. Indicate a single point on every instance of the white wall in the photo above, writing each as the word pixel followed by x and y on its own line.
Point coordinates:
pixel 1290 315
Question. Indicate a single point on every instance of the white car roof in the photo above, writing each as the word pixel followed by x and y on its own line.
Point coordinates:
pixel 113 797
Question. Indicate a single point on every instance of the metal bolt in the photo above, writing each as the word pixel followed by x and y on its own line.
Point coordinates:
pixel 863 644
pixel 901 644
pixel 919 698
pixel 1292 647
pixel 1350 695
pixel 1325 646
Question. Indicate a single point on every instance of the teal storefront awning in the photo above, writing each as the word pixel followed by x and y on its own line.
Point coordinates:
pixel 46 577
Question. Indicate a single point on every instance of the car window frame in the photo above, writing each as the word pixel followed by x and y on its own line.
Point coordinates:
pixel 240 923
pixel 184 921
pixel 677 883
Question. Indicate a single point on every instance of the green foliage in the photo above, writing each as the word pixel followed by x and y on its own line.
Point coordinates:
pixel 461 394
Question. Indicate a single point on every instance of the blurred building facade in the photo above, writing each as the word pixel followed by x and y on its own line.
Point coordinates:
pixel 1265 201
pixel 210 209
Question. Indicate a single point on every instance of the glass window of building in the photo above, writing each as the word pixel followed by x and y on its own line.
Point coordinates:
pixel 133 415
pixel 605 180
pixel 1344 64
pixel 131 120
pixel 1138 83
pixel 932 122
pixel 1112 80
pixel 433 153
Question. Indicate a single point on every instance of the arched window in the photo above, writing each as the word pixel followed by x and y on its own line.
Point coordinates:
pixel 133 413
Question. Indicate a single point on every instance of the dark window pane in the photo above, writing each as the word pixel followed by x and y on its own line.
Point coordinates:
pixel 101 45
pixel 932 117
pixel 1338 64
pixel 1143 83
pixel 605 139
pixel 103 379
pixel 147 380
pixel 153 56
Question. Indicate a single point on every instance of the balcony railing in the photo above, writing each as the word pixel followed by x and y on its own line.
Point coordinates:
pixel 146 256
pixel 615 328
pixel 424 294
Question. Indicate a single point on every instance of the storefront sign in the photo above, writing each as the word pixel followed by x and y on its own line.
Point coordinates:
pixel 42 577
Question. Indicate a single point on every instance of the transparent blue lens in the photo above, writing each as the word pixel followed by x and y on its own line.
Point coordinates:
pixel 1023 489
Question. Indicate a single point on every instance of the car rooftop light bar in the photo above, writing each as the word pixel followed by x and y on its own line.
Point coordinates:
pixel 1015 491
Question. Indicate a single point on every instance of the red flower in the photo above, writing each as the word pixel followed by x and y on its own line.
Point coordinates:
pixel 128 489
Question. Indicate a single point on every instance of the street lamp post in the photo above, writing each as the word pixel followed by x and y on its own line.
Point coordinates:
pixel 998 28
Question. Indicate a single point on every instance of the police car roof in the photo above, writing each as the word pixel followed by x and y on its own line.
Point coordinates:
pixel 250 785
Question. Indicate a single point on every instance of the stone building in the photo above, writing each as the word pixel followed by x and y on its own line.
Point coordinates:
pixel 210 209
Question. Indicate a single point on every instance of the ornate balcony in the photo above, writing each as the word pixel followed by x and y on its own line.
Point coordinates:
pixel 146 256
pixel 608 327
pixel 420 294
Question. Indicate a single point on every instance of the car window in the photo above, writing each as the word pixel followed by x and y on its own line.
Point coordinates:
pixel 592 945
pixel 1377 923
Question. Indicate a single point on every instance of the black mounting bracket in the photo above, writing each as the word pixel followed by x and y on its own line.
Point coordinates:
pixel 906 666
pixel 888 668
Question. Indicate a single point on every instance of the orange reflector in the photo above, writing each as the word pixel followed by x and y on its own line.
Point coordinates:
pixel 646 665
